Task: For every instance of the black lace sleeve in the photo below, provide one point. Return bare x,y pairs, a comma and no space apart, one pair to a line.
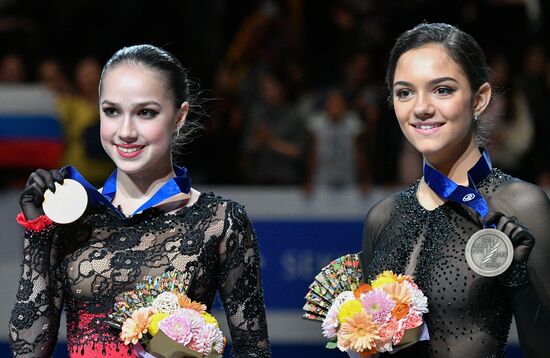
35,318
531,302
241,286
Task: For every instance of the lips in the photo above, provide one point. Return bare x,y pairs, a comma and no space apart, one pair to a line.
129,151
427,128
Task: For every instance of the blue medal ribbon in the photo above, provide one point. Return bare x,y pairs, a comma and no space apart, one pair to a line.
181,183
468,196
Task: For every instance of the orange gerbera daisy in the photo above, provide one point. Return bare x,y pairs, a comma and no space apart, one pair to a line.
135,326
399,292
359,332
400,311
364,288
185,302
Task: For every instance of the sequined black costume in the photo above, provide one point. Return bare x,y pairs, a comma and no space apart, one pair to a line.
470,315
86,264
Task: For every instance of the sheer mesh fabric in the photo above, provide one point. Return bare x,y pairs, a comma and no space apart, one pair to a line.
470,315
86,264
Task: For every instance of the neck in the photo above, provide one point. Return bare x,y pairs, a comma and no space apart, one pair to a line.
142,186
456,165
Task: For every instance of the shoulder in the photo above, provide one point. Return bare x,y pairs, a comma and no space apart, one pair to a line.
222,206
389,205
520,196
353,121
316,122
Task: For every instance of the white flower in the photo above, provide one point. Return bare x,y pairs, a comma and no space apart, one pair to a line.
419,302
166,302
330,323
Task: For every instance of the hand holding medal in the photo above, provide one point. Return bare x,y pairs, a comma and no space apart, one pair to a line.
47,192
522,239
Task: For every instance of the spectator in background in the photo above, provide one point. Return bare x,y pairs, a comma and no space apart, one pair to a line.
358,78
80,117
512,123
276,139
338,159
50,73
224,131
12,68
300,94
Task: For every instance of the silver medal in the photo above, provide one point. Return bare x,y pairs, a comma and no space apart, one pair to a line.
489,252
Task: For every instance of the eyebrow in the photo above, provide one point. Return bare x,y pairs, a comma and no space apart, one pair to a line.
435,81
139,104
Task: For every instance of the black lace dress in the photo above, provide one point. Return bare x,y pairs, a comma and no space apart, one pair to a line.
470,315
84,266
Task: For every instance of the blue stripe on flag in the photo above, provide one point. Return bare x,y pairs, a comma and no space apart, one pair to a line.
35,126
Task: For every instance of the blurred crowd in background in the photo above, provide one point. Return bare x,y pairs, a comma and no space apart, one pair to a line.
291,92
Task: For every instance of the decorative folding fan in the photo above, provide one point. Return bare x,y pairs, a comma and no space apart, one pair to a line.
342,274
145,292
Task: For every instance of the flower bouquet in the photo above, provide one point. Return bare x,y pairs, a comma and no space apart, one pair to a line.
365,319
160,321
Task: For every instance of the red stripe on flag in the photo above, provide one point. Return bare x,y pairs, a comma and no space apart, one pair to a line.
30,154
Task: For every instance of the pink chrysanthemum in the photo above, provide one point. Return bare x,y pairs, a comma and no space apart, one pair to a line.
177,327
209,339
377,304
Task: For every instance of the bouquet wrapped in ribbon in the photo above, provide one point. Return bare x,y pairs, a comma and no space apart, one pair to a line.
160,320
365,319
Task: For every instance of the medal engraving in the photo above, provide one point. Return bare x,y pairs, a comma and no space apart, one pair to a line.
67,204
489,252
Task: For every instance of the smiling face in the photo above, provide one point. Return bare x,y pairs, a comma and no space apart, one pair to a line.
138,119
434,103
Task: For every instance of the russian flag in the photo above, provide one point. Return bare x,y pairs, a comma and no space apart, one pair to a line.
31,135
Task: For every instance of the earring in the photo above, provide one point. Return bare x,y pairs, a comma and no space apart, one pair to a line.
177,133
476,117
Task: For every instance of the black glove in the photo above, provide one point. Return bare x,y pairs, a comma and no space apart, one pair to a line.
521,237
32,196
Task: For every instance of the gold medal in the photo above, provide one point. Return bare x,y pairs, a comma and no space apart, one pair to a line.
67,204
489,252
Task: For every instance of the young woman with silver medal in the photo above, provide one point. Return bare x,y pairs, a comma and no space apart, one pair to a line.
475,239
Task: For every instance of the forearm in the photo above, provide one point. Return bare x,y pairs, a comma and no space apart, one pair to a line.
247,322
532,320
241,288
35,318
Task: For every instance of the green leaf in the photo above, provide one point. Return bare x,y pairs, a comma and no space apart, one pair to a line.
331,345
